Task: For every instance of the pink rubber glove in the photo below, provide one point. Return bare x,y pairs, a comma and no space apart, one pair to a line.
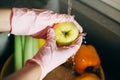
50,56
35,22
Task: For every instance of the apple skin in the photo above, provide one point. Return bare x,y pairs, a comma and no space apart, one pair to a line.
65,33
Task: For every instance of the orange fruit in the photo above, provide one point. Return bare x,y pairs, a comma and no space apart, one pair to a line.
86,57
87,76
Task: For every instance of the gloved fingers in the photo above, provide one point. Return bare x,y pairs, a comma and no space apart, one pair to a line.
62,18
51,41
78,41
41,34
76,44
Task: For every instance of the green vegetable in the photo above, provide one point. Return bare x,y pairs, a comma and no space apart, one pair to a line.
28,48
35,46
25,48
18,53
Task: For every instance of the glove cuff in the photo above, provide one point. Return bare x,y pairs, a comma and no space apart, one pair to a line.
17,25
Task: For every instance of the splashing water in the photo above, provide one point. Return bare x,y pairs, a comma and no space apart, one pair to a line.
84,34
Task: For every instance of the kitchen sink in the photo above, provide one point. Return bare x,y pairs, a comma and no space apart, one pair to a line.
102,32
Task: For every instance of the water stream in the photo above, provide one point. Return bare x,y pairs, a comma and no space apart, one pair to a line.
69,6
84,34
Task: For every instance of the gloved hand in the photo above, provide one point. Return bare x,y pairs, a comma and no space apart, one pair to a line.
50,56
35,22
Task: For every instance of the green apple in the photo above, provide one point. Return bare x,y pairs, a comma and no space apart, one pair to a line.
65,33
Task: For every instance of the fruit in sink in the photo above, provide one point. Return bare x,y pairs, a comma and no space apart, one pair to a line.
87,76
65,33
86,58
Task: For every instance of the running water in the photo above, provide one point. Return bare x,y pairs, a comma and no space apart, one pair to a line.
69,13
69,7
84,34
